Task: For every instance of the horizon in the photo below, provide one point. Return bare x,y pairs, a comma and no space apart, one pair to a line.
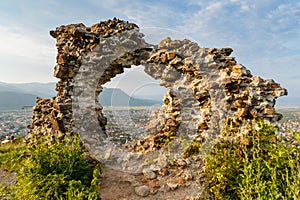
284,101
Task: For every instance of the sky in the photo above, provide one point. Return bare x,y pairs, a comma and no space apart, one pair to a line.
264,34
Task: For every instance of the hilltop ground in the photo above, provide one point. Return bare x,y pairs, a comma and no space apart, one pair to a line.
7,178
120,185
117,185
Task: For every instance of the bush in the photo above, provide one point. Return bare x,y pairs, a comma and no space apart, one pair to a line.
260,165
12,156
59,171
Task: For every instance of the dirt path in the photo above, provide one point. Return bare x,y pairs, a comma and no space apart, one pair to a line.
7,178
119,185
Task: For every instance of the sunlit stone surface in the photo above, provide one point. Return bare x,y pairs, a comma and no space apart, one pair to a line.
207,90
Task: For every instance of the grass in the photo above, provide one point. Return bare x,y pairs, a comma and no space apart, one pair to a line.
12,156
260,165
59,171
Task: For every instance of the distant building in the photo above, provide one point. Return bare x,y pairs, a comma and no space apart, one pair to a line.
27,107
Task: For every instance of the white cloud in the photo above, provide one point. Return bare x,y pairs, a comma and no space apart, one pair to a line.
285,18
265,35
214,6
135,82
245,7
25,45
265,25
25,56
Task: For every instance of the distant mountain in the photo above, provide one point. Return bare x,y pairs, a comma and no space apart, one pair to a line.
44,90
13,100
15,96
288,101
117,97
155,97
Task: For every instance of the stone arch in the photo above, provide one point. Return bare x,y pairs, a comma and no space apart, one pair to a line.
95,72
206,87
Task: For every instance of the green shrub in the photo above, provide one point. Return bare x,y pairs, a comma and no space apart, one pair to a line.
260,165
12,156
58,171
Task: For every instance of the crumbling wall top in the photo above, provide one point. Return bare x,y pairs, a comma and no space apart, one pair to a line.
206,87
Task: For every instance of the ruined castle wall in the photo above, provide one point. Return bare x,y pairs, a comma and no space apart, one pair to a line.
206,87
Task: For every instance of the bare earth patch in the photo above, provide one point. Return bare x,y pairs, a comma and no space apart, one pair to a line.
7,178
121,185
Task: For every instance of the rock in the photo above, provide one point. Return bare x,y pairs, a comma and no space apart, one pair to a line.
107,153
61,71
163,172
142,191
155,167
269,111
195,158
187,176
162,161
63,107
171,55
181,181
172,185
149,174
154,183
153,191
181,163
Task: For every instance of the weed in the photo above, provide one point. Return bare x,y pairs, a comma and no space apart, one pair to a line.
259,165
12,156
59,171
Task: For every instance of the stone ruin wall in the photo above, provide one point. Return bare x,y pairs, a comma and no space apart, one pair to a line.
206,87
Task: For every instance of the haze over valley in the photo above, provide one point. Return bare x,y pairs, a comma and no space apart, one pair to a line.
15,96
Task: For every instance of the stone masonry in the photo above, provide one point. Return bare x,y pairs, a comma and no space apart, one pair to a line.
207,91
205,86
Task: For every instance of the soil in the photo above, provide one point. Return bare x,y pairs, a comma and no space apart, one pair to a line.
118,185
7,178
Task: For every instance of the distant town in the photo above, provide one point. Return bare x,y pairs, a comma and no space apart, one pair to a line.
14,122
123,123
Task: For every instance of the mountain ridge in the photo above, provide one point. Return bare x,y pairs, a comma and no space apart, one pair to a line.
16,95
117,97
44,90
120,98
14,101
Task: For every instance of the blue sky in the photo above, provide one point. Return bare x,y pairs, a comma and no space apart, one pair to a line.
264,34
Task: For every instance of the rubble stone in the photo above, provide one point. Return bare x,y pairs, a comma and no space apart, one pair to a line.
142,191
172,185
149,174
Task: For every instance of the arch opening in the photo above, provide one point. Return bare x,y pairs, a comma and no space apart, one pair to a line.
129,101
